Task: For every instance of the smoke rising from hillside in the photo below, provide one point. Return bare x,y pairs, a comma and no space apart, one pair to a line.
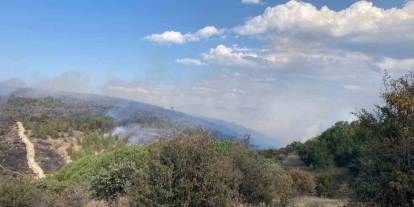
137,134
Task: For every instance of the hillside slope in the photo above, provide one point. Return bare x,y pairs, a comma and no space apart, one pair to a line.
126,111
66,126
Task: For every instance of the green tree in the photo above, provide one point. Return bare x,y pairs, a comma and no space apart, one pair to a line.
385,168
108,185
336,146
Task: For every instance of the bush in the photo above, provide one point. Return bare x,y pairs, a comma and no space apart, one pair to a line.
73,196
22,193
192,169
187,172
203,171
263,181
325,186
84,169
108,185
333,185
304,183
63,194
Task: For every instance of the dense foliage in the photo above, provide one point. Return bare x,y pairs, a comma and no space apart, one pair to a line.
24,192
95,143
198,170
193,169
84,169
337,146
43,126
378,149
385,168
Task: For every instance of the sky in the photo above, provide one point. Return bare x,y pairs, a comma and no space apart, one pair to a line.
287,69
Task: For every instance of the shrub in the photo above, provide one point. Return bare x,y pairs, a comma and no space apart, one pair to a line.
303,182
333,185
84,169
74,197
325,186
22,193
192,169
263,181
187,172
203,171
108,185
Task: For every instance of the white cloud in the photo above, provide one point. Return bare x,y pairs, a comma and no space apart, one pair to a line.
174,37
250,1
361,22
190,61
167,37
227,56
283,59
396,64
204,33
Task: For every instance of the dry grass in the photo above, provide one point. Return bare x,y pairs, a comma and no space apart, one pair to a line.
311,201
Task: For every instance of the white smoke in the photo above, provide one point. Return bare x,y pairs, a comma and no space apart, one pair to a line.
137,134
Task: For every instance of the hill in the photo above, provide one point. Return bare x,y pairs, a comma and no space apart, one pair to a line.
127,111
66,126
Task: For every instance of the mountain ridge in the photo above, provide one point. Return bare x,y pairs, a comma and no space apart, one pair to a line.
126,109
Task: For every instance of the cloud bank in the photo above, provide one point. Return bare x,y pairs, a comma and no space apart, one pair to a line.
312,67
361,22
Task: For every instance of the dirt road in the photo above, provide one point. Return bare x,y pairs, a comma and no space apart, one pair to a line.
30,150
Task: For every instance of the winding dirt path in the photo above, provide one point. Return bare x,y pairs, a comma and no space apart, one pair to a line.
30,150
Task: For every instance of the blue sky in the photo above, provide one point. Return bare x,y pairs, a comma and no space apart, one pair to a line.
288,69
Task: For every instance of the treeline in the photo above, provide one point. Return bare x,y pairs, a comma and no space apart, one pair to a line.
48,102
43,126
377,148
338,146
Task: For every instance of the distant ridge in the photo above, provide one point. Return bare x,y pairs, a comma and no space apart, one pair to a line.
125,109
